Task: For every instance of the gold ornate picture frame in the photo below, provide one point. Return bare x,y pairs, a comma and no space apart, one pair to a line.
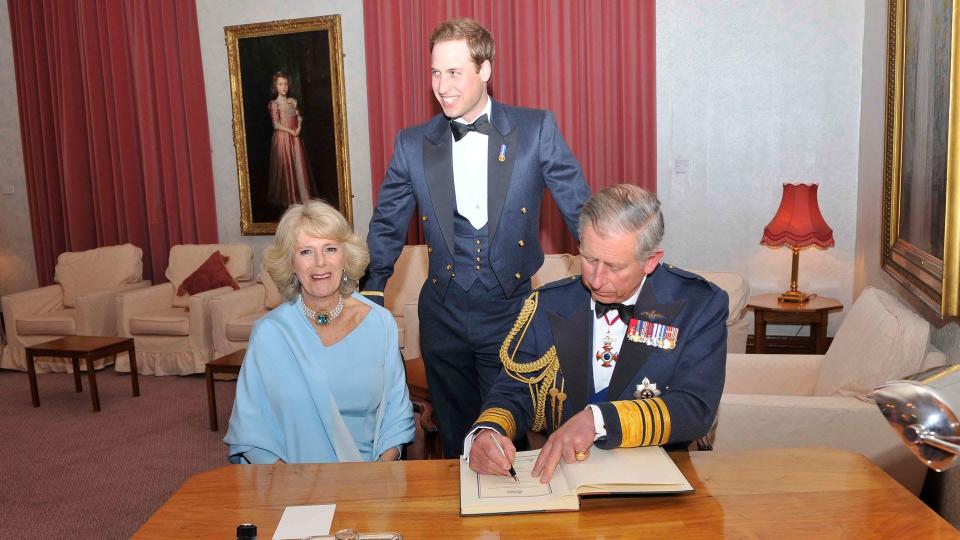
289,117
921,202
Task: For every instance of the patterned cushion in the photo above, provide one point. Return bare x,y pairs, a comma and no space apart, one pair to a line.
185,258
212,274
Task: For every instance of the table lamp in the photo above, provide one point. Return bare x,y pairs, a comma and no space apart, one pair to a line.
798,224
923,408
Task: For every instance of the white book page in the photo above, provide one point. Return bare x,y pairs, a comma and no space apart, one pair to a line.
479,490
643,466
491,486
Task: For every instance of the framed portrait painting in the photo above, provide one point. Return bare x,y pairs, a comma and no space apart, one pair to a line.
289,117
921,204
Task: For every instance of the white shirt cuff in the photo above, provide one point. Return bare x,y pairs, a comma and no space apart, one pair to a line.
598,424
468,441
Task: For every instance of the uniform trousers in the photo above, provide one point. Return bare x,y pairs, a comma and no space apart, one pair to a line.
460,338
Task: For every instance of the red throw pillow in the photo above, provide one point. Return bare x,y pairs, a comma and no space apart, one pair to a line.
211,274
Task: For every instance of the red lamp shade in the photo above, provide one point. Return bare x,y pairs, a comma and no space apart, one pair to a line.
798,222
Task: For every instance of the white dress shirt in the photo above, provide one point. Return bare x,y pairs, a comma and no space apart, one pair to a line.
470,173
602,375
601,328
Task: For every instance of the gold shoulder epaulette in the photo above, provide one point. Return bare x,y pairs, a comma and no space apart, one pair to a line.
547,365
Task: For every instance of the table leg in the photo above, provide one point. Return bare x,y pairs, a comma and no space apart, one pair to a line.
32,375
759,332
133,370
212,401
76,374
94,395
819,333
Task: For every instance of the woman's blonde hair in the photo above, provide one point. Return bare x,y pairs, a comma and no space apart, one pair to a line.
320,220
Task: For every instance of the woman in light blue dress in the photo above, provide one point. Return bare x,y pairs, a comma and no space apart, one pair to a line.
322,380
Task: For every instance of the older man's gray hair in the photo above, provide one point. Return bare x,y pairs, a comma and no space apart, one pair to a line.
625,208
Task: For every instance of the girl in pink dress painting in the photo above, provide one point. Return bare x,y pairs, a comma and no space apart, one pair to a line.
290,180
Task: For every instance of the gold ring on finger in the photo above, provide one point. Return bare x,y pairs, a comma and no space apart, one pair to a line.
581,455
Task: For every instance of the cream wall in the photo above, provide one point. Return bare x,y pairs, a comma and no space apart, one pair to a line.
867,270
212,17
18,269
752,94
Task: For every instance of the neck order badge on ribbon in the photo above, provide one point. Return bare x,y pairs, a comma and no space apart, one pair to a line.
605,355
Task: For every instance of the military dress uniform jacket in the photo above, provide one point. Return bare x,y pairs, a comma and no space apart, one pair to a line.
554,333
534,155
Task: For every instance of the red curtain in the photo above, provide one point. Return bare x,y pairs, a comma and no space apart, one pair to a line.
113,121
591,62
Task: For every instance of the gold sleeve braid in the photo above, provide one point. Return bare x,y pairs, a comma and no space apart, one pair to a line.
502,418
542,384
643,422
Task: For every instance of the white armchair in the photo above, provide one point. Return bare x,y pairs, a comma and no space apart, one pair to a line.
232,314
81,302
774,400
172,332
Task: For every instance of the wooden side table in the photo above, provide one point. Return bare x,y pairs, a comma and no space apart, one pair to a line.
229,363
767,309
76,348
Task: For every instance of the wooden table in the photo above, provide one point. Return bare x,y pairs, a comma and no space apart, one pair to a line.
771,493
767,309
76,348
229,363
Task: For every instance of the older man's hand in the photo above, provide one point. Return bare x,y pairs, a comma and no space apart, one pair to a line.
485,456
575,435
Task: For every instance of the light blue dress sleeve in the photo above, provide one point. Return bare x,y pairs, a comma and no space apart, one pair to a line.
253,436
396,428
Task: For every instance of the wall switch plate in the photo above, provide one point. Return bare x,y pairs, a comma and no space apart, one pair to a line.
681,166
7,189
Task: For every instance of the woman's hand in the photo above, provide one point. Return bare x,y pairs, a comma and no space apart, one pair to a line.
392,454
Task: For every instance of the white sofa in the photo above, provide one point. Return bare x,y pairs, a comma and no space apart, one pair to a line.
780,400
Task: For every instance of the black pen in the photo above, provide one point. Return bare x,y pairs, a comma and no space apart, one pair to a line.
513,473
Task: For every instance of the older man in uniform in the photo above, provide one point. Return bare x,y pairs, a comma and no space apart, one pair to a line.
631,354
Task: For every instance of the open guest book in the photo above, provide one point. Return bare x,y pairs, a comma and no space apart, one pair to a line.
640,470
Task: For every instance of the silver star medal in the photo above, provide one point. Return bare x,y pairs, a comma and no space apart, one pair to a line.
646,390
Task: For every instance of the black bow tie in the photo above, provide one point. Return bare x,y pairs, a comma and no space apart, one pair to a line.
460,130
625,311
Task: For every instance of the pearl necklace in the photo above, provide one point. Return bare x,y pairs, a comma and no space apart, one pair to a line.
321,318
